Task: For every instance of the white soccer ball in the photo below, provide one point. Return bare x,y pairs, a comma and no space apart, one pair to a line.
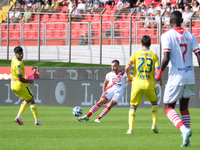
77,111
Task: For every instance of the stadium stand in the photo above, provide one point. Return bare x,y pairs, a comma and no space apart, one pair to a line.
55,27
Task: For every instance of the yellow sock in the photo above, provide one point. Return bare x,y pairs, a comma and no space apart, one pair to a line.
23,107
132,113
34,110
154,112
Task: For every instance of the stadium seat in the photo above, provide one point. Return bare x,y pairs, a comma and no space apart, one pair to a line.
50,26
54,18
96,18
49,34
32,34
11,27
151,32
25,35
15,35
60,27
76,26
62,18
74,34
45,18
17,27
57,34
27,27
142,32
3,27
4,35
64,8
36,18
95,25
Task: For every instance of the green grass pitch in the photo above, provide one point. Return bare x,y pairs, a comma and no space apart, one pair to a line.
61,131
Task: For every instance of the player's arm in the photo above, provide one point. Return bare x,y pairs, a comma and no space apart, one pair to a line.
21,79
127,70
198,57
160,81
105,84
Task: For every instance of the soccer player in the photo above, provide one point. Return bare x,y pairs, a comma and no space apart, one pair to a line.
145,64
113,88
178,45
20,87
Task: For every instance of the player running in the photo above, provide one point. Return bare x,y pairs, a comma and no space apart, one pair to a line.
113,88
20,87
178,45
145,63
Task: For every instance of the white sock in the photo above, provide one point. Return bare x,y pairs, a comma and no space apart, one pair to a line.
19,116
37,120
183,128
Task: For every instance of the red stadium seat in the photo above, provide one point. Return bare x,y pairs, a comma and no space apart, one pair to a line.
17,27
27,27
62,18
16,35
36,18
45,18
49,34
11,27
32,34
50,26
57,34
60,27
54,18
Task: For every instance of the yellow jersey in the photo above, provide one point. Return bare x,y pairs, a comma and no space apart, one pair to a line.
17,68
145,62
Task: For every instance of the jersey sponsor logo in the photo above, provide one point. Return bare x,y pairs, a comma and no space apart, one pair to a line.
186,69
144,77
116,80
146,54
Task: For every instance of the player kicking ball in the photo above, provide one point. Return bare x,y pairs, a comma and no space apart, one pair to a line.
20,87
113,88
145,64
178,46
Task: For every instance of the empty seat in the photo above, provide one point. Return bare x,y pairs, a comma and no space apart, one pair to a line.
45,18
32,34
49,34
15,35
62,18
17,27
60,26
54,18
27,27
50,26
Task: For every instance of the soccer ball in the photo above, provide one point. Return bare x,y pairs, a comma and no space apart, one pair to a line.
77,111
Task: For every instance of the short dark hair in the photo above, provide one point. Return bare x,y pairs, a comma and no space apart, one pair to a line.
176,17
34,67
117,61
146,41
18,49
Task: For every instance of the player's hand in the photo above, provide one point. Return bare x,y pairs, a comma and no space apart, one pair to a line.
31,81
158,75
129,80
160,82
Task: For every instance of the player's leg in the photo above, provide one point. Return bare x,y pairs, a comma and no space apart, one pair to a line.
172,94
22,109
151,96
19,92
34,110
106,110
136,98
94,108
184,102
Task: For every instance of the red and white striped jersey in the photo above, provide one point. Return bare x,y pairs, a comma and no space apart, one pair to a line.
180,43
116,80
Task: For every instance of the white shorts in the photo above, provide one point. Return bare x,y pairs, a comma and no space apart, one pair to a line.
175,92
113,94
